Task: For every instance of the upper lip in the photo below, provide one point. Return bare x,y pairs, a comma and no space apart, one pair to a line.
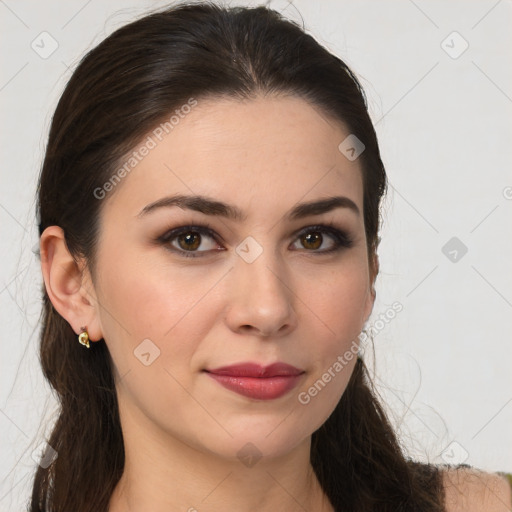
257,370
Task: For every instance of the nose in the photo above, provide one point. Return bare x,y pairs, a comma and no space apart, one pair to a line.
261,299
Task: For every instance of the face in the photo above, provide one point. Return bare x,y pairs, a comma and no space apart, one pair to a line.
182,292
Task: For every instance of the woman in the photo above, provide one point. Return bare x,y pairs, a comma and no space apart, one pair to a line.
209,217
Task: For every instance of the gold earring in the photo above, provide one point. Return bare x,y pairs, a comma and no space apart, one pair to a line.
83,337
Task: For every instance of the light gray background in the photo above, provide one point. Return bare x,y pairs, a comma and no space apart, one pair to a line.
444,123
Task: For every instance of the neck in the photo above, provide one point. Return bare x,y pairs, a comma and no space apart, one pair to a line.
163,474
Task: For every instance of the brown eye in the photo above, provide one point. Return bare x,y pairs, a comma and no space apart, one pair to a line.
189,241
312,240
313,237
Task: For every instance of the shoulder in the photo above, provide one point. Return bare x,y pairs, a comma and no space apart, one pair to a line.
471,490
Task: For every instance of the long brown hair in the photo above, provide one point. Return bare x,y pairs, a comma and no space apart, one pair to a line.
120,91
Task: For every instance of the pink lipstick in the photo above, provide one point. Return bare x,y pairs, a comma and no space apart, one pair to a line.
255,381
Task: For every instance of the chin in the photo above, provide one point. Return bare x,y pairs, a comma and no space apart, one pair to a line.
256,439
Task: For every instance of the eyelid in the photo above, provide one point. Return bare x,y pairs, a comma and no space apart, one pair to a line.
342,237
202,229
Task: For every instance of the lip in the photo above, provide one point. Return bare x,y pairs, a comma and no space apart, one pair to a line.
258,382
256,370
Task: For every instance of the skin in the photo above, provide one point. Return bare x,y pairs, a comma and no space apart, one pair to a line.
181,429
472,490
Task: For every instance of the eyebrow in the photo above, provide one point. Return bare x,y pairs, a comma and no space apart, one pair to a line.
209,206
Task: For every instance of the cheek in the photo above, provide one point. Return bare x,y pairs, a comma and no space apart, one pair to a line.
338,299
336,311
145,302
142,300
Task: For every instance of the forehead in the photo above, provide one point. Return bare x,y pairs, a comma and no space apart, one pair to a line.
264,154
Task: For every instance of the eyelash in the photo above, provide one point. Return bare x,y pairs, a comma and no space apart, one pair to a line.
341,238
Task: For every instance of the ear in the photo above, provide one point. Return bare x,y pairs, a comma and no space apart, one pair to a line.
66,284
370,298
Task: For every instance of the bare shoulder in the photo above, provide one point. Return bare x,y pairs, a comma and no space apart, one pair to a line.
473,490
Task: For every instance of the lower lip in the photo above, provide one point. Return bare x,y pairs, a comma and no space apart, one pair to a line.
267,388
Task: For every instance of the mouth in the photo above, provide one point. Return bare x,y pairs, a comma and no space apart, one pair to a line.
258,382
